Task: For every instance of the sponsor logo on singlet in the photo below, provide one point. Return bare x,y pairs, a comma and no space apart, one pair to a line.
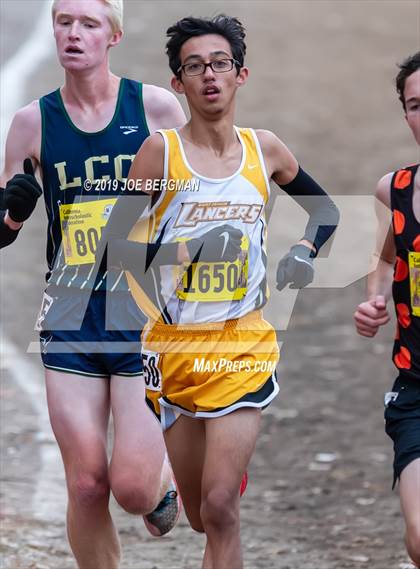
129,129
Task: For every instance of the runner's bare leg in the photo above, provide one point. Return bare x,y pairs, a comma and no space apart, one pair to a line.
139,473
230,442
79,412
410,504
187,462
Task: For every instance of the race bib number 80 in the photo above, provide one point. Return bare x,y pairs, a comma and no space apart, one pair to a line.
81,227
414,267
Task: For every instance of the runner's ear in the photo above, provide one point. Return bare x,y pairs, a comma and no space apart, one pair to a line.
28,167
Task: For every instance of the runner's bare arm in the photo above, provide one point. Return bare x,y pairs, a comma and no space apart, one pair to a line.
147,167
162,108
380,280
148,163
373,313
23,141
280,163
283,168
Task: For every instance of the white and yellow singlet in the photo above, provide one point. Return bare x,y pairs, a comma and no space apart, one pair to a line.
207,350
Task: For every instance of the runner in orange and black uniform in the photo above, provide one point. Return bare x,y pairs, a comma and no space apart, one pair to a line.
406,229
398,272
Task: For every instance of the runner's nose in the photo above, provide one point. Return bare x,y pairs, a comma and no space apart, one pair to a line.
209,73
74,31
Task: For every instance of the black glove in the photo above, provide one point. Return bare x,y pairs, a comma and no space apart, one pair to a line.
295,267
219,244
21,193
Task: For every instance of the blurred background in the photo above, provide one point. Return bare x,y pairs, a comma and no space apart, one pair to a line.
321,77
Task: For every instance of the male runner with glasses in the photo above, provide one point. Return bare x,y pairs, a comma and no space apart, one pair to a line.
398,275
83,138
209,354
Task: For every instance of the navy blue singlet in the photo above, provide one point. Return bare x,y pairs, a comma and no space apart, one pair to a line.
70,156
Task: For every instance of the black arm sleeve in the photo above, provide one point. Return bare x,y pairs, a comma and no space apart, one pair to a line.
323,213
7,235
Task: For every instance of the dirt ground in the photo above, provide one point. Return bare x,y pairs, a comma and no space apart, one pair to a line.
320,481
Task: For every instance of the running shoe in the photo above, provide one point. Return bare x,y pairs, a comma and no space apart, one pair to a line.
166,514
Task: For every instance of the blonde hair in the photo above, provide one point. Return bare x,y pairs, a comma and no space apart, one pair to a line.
115,13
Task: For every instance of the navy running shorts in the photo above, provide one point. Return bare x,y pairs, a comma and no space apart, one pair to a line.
402,422
96,336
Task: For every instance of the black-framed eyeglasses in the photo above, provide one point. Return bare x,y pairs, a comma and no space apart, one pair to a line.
218,66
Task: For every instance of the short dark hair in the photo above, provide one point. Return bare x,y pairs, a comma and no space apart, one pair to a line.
407,68
228,27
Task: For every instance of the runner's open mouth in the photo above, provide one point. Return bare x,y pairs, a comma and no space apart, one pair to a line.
73,50
211,90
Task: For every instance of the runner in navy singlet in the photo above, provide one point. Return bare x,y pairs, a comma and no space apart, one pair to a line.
82,138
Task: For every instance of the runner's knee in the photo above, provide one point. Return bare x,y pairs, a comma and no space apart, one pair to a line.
88,489
134,495
219,509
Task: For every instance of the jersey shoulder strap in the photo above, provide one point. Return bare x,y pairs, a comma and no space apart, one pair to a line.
254,166
175,163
